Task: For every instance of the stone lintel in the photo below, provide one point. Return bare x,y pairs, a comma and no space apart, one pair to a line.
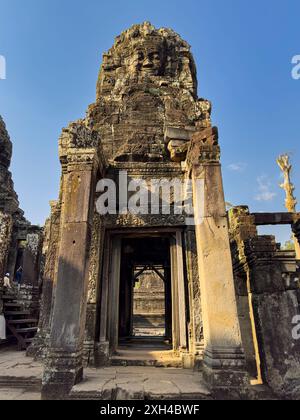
183,134
177,140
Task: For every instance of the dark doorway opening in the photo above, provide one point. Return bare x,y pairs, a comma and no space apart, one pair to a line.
145,314
149,302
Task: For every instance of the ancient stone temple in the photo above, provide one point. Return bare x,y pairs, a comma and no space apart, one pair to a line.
148,130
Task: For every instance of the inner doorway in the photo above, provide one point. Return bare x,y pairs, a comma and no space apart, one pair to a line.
149,302
145,304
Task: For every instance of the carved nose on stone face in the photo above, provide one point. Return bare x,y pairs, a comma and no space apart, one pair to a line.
147,63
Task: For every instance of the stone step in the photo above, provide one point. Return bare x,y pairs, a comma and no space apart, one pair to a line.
151,343
21,382
8,297
171,363
22,321
26,330
140,384
12,305
19,313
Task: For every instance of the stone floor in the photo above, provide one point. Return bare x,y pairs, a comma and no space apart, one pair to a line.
18,394
18,369
20,379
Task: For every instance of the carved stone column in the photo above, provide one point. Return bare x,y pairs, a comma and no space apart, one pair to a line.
95,265
196,323
38,349
79,153
224,360
6,224
178,295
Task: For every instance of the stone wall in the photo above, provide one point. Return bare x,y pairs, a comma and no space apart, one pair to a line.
267,286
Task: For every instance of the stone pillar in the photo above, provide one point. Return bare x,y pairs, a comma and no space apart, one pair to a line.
6,224
224,360
102,344
181,294
38,349
196,324
79,153
179,324
114,295
95,265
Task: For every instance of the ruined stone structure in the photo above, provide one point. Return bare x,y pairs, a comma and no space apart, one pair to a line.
20,242
267,282
221,302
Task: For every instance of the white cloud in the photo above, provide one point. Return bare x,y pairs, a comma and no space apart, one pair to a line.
237,167
264,189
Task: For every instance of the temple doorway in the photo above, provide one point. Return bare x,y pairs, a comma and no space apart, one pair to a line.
144,294
149,302
145,291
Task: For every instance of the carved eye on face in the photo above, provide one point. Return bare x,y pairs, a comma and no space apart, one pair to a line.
140,56
156,56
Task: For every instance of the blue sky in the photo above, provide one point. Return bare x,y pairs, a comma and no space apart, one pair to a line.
243,51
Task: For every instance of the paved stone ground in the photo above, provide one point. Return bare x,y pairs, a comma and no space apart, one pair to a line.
16,368
20,379
18,394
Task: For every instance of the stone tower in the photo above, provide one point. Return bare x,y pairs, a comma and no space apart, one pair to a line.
147,122
147,83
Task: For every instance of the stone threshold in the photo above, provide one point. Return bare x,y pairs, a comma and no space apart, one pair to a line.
140,383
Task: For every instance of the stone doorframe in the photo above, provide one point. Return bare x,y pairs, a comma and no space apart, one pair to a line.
110,289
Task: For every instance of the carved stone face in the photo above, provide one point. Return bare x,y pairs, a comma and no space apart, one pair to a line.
147,59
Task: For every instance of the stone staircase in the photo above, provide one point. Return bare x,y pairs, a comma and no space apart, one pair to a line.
147,352
21,325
